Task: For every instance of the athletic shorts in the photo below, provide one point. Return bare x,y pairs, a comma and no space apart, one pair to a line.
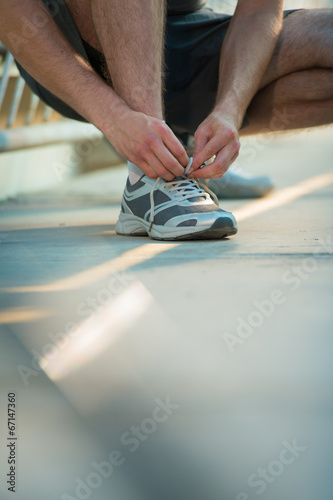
192,54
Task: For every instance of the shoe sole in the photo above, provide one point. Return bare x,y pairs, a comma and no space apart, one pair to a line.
130,225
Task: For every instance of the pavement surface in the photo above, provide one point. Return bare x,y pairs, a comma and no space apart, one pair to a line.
150,370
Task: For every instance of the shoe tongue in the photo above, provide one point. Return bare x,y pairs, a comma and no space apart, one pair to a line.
190,188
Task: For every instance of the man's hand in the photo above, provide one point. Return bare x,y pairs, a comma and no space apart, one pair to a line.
148,143
215,136
246,52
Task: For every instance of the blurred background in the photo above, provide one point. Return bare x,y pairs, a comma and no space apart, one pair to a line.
228,6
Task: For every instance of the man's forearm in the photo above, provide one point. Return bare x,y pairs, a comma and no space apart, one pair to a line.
246,52
50,59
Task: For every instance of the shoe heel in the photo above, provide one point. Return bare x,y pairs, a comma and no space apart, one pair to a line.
129,224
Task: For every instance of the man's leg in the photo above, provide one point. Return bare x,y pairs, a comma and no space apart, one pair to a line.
297,89
130,34
300,100
131,37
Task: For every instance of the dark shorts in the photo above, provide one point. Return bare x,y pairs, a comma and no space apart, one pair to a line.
192,53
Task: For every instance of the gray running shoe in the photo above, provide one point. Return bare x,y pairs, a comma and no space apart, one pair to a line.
238,184
181,209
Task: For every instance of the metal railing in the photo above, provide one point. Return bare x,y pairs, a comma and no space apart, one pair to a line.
51,129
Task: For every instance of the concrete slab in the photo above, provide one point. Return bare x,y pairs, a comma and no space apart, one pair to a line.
237,333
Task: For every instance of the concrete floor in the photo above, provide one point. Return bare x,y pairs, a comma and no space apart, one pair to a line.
237,333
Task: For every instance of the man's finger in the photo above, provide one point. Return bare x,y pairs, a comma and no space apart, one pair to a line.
174,146
211,148
159,168
200,140
168,160
220,165
145,167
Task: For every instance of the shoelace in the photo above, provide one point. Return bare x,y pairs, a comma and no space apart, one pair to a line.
184,188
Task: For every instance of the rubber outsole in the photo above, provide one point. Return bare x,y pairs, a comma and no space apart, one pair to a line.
217,231
222,228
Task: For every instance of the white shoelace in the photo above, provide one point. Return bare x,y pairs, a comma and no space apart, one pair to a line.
184,188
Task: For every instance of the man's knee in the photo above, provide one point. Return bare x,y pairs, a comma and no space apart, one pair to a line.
307,38
306,42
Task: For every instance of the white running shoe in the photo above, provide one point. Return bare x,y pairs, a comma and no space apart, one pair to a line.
181,209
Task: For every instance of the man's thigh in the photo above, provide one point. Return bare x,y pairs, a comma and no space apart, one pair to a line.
193,51
306,42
